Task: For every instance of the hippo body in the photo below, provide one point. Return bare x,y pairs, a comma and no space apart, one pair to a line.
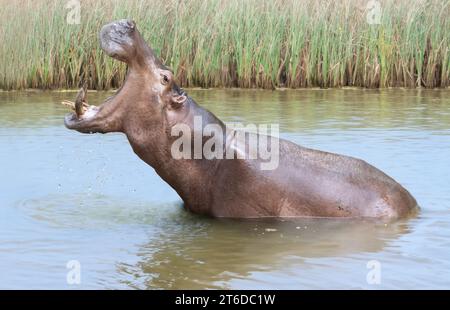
310,183
306,182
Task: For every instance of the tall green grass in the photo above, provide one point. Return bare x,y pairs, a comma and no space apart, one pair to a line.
232,43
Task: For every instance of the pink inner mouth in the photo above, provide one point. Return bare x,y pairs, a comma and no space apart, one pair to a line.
89,113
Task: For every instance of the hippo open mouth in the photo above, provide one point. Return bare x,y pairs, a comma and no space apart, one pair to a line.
122,41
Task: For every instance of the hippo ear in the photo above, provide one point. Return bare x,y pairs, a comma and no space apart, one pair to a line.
177,101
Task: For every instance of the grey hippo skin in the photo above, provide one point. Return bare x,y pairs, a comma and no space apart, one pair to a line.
307,183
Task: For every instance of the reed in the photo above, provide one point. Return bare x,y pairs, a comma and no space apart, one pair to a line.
233,43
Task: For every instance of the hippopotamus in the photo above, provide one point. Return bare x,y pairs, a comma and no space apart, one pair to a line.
305,183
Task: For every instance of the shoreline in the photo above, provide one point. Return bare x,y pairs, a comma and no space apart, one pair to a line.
280,89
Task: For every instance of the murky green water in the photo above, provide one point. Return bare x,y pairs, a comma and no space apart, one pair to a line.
66,196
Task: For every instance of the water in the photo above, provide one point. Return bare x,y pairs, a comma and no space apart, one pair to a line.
65,196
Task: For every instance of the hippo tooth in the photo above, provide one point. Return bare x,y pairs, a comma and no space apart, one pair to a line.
80,101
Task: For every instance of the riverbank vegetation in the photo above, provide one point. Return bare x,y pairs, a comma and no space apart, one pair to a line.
233,43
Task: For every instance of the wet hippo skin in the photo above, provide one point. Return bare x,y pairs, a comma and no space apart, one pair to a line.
306,182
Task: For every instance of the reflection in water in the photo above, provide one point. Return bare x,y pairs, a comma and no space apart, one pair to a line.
187,254
67,196
92,210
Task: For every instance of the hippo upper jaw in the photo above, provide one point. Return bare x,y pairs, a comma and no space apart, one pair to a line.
117,39
121,40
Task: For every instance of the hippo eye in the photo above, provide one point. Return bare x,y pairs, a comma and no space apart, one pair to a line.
165,79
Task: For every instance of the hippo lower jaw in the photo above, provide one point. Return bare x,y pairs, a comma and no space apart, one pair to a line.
95,119
81,123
